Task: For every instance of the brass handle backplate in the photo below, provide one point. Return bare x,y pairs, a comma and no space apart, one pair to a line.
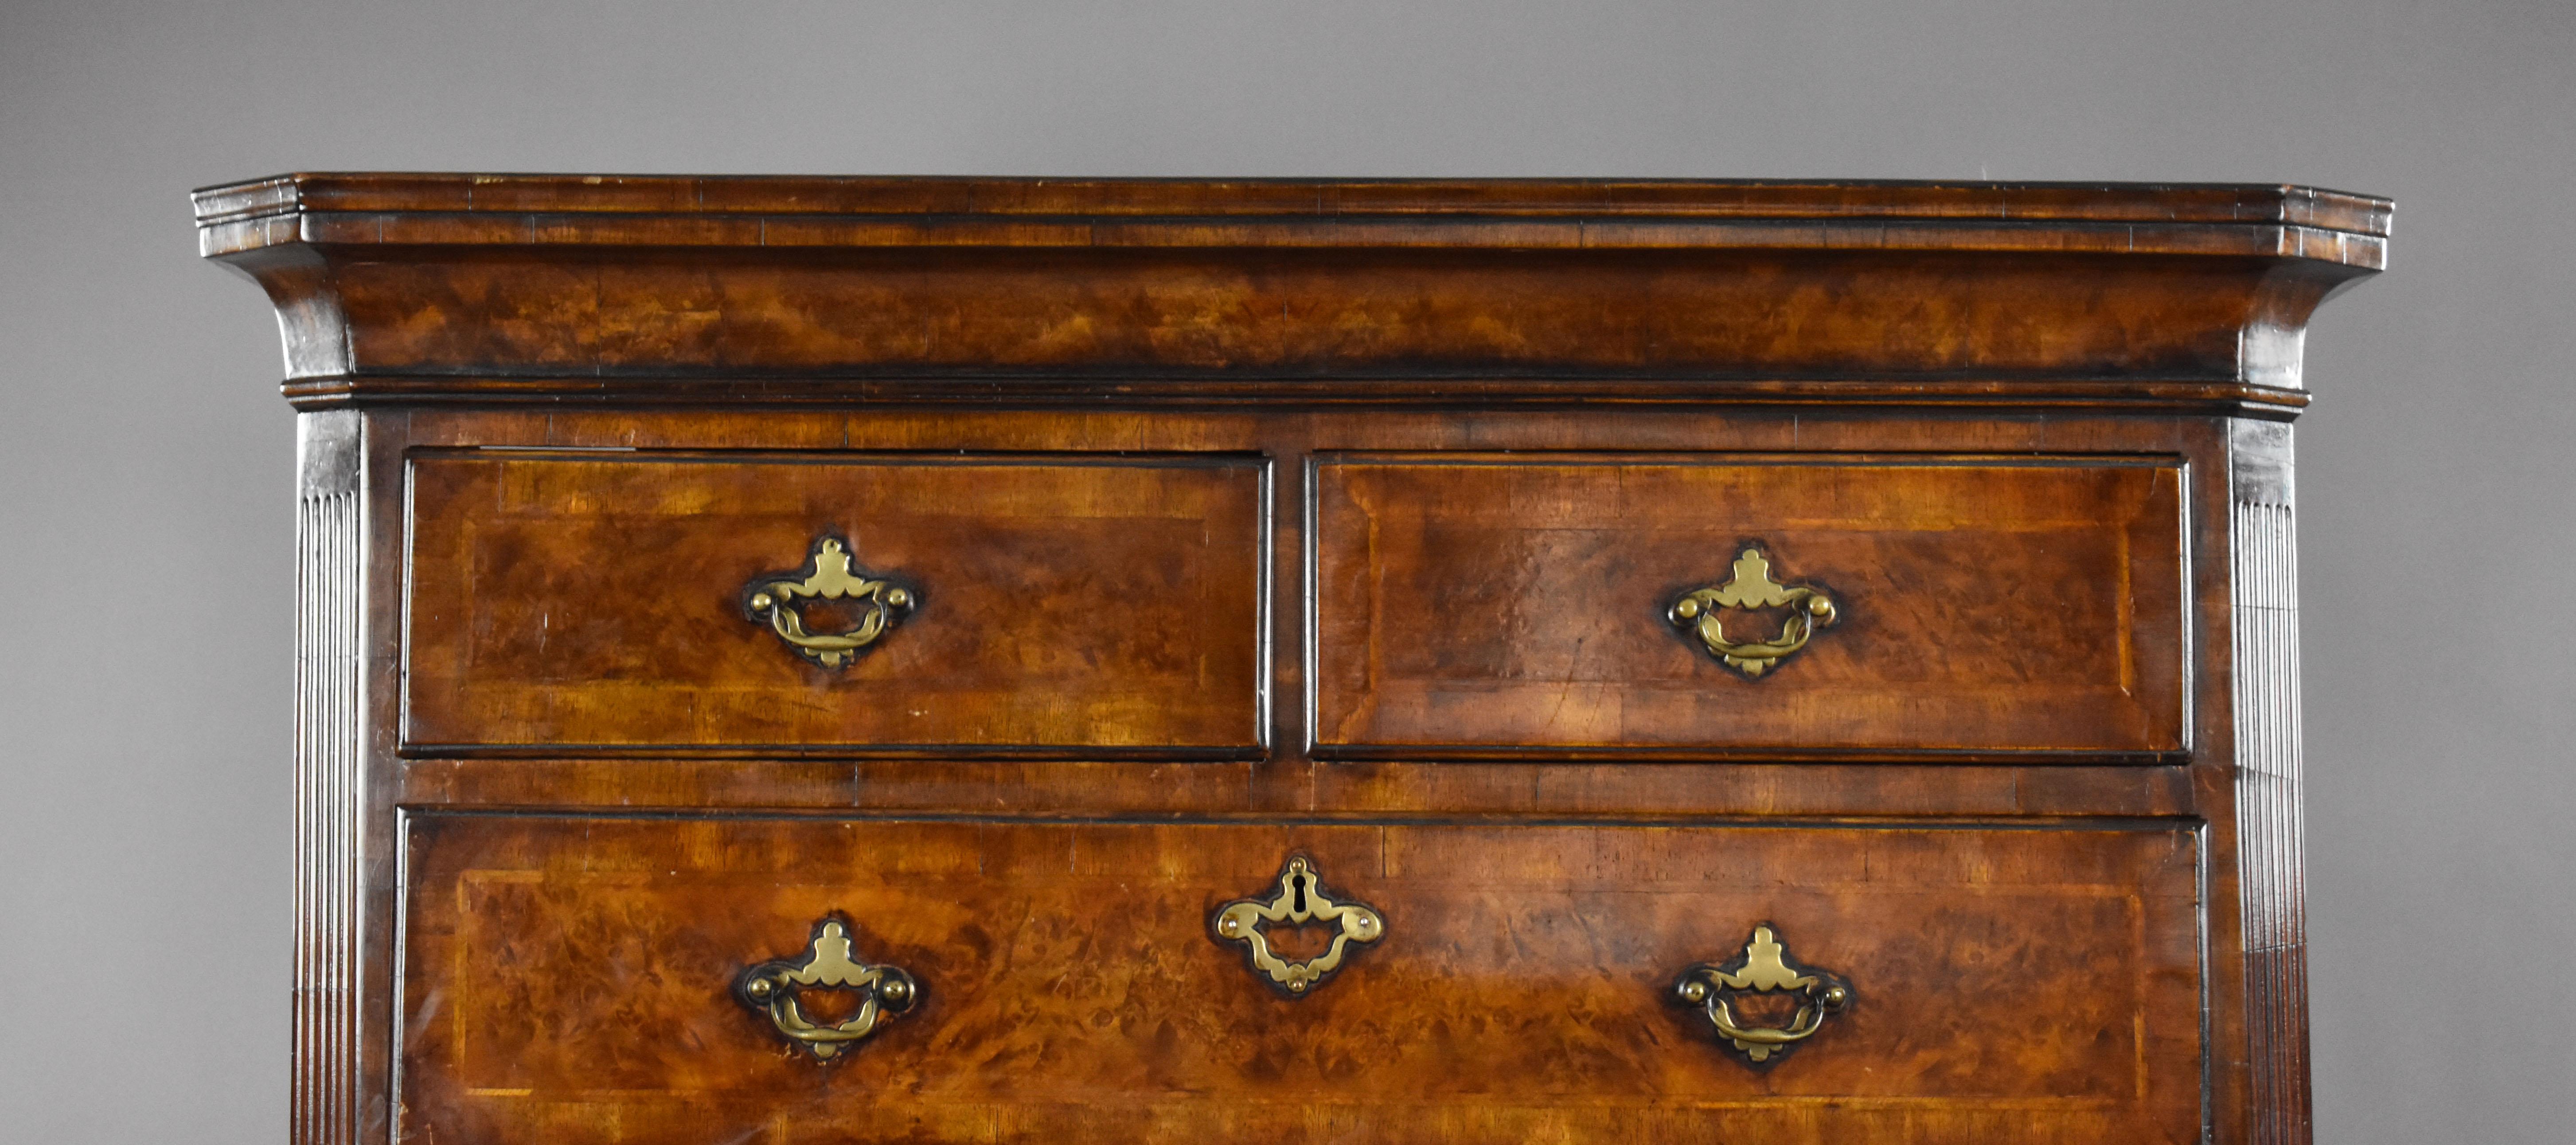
1301,899
772,987
1750,586
1764,967
827,575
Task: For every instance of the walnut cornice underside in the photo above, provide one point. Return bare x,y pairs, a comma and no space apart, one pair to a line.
434,287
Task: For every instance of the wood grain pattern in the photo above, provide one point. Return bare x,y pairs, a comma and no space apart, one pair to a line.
1649,314
1991,606
503,287
566,981
1680,791
554,789
1068,604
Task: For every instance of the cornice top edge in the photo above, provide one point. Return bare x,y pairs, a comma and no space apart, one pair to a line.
1320,202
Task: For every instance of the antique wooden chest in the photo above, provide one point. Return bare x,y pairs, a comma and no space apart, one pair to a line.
801,660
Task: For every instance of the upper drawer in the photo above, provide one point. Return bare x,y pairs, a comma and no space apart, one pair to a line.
1896,607
1053,604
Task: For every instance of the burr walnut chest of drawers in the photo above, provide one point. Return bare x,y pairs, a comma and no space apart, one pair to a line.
799,660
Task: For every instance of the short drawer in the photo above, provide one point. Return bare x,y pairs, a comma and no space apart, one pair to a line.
1047,604
1749,606
592,980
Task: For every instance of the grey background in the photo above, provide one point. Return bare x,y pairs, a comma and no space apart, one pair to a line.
144,454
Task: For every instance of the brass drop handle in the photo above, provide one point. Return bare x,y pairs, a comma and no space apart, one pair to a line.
827,576
1749,585
771,988
1764,967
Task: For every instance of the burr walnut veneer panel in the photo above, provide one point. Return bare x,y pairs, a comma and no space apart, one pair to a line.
567,981
1066,604
1988,605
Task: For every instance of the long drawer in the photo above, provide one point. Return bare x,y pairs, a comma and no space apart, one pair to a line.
1749,606
1039,604
573,980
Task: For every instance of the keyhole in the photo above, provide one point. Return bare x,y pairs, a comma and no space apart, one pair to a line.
1301,881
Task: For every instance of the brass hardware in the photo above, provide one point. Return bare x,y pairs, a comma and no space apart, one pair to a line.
1764,967
827,576
1301,899
771,988
1751,586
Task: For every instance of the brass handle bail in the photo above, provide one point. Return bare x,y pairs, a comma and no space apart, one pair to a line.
771,988
827,576
1749,585
1764,967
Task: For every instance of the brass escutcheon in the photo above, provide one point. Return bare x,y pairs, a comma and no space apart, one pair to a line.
1301,899
771,987
1764,967
772,599
1750,586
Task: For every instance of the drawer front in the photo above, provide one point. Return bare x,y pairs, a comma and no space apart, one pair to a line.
1057,604
1917,607
572,981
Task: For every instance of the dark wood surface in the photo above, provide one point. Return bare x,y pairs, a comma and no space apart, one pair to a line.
754,291
565,976
1066,603
1530,412
1987,606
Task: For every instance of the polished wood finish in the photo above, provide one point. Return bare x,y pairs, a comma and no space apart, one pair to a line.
1068,604
1267,517
434,287
1481,603
568,975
